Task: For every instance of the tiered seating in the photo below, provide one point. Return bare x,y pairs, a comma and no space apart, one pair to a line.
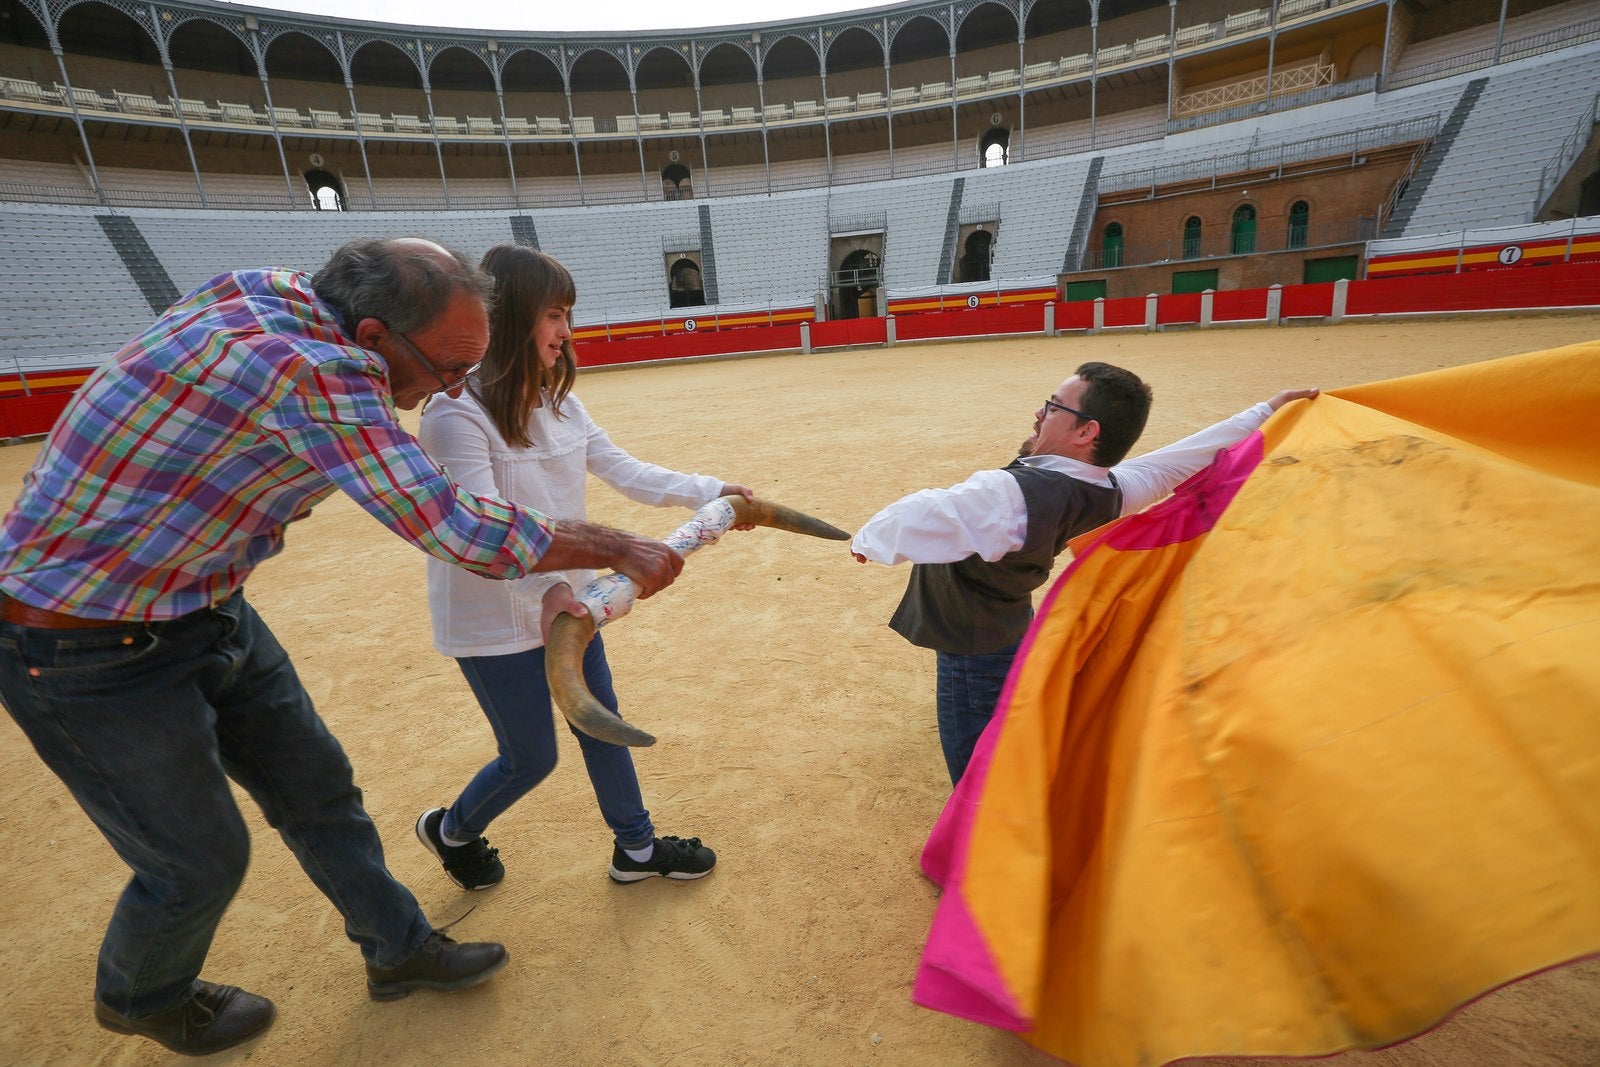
747,229
917,210
615,255
72,303
1038,204
1491,176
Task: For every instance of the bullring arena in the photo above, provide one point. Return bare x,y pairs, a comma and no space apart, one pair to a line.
1230,197
796,736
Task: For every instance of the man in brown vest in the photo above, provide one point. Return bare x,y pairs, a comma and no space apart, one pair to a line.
979,549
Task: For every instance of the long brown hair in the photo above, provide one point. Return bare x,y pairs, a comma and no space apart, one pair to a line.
512,380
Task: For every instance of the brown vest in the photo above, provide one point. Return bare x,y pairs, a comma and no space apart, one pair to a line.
972,606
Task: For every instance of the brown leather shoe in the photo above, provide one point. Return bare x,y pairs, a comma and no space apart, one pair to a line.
215,1018
439,964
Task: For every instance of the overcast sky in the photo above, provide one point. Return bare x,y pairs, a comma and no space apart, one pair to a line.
565,17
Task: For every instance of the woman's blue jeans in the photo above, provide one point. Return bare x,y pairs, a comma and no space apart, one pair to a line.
516,699
968,688
145,723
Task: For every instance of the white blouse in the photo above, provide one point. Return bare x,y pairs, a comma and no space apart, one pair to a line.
475,616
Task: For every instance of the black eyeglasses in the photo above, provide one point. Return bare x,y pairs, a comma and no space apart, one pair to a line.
445,386
1051,402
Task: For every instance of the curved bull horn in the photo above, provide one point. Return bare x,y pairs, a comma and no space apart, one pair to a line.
611,597
563,672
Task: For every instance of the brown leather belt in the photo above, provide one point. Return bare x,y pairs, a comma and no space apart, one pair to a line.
16,611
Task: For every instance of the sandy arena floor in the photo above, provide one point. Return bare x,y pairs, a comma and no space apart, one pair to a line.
796,737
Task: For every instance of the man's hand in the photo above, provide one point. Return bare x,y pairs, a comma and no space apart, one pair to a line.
1291,394
559,598
651,564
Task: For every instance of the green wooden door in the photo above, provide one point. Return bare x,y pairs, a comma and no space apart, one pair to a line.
1193,281
1331,269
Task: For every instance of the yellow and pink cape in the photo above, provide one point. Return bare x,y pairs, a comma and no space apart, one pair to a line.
1307,755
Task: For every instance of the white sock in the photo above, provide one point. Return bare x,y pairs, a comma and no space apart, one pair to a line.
639,855
451,842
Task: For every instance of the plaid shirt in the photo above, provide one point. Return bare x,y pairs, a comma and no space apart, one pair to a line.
176,466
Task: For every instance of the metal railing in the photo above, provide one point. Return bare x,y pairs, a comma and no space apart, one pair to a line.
1223,242
1392,201
1521,48
1551,173
1036,144
861,222
1275,103
1272,157
1249,90
971,213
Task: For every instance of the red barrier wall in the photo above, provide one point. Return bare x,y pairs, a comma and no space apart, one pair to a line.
24,416
1552,286
1238,305
975,322
1306,301
1177,308
849,332
1563,285
682,345
1125,311
1075,315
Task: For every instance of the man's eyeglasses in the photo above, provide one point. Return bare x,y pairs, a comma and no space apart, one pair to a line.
1051,402
445,385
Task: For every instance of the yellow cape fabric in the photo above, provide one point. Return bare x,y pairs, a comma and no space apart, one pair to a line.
1316,778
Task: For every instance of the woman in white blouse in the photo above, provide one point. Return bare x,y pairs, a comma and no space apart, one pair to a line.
517,432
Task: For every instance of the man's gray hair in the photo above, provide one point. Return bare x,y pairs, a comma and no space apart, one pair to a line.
402,283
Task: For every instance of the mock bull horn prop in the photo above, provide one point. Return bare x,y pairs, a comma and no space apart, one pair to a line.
611,597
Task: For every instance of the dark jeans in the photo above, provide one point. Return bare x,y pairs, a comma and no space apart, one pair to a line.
145,723
516,699
968,690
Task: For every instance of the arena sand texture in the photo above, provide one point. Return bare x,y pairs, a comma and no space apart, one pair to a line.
796,737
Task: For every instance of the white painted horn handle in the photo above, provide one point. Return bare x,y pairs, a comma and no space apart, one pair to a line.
611,596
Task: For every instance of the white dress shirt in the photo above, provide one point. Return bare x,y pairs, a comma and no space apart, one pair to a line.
986,514
476,617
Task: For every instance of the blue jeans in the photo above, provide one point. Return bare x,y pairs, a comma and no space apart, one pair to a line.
145,723
968,688
516,699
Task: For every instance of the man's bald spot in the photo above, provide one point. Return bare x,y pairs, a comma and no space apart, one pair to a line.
422,245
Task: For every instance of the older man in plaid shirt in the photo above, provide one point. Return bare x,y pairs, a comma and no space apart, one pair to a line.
131,660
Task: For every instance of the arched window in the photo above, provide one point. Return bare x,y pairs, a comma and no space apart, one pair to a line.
675,184
326,193
1191,237
1244,230
994,148
1111,245
1299,223
685,287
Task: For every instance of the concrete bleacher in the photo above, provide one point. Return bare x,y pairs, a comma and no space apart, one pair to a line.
615,255
748,228
1038,205
71,302
917,211
1490,176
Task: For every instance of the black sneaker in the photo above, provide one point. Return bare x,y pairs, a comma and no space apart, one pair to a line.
473,866
439,964
674,857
